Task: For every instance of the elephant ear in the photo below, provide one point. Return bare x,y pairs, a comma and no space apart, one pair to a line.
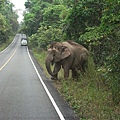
65,52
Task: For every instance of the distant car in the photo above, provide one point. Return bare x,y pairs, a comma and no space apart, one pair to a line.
24,42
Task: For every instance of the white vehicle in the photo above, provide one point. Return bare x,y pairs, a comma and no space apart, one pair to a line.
24,42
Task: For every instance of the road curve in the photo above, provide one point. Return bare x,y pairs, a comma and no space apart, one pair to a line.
25,92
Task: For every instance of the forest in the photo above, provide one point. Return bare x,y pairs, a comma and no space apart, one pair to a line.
94,24
8,20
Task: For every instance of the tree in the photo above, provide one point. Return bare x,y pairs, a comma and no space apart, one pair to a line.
4,28
83,14
8,20
52,15
94,23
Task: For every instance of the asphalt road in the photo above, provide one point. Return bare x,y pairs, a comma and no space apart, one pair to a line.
25,92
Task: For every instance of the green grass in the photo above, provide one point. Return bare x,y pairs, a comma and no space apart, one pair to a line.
4,45
89,96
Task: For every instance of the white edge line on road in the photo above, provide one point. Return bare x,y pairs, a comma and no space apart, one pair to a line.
46,89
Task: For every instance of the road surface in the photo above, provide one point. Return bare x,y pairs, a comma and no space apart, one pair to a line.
25,92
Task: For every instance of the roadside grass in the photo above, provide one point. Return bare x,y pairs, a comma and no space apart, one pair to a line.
40,57
7,43
89,96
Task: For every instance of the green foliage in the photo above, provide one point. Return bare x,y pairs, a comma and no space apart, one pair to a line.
8,20
87,101
29,22
106,37
44,22
4,28
92,23
89,96
84,14
52,15
34,17
3,45
44,36
10,15
27,4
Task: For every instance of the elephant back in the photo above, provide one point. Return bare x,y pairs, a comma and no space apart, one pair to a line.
80,54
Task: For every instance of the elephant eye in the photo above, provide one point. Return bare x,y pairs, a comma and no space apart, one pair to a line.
59,49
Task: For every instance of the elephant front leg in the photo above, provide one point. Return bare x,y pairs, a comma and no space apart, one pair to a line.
66,73
57,68
54,77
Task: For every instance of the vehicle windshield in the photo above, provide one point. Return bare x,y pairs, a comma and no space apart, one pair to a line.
23,39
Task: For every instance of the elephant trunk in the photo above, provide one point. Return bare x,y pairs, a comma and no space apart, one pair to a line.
47,63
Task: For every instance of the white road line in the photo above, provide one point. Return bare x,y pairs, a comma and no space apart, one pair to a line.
8,60
46,89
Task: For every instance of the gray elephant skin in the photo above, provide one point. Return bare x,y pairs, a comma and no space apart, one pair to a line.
69,55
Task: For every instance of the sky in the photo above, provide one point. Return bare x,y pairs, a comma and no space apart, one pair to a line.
19,6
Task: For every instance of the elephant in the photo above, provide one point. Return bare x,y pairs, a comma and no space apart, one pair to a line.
69,55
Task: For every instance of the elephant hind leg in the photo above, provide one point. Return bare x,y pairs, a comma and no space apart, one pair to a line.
83,67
